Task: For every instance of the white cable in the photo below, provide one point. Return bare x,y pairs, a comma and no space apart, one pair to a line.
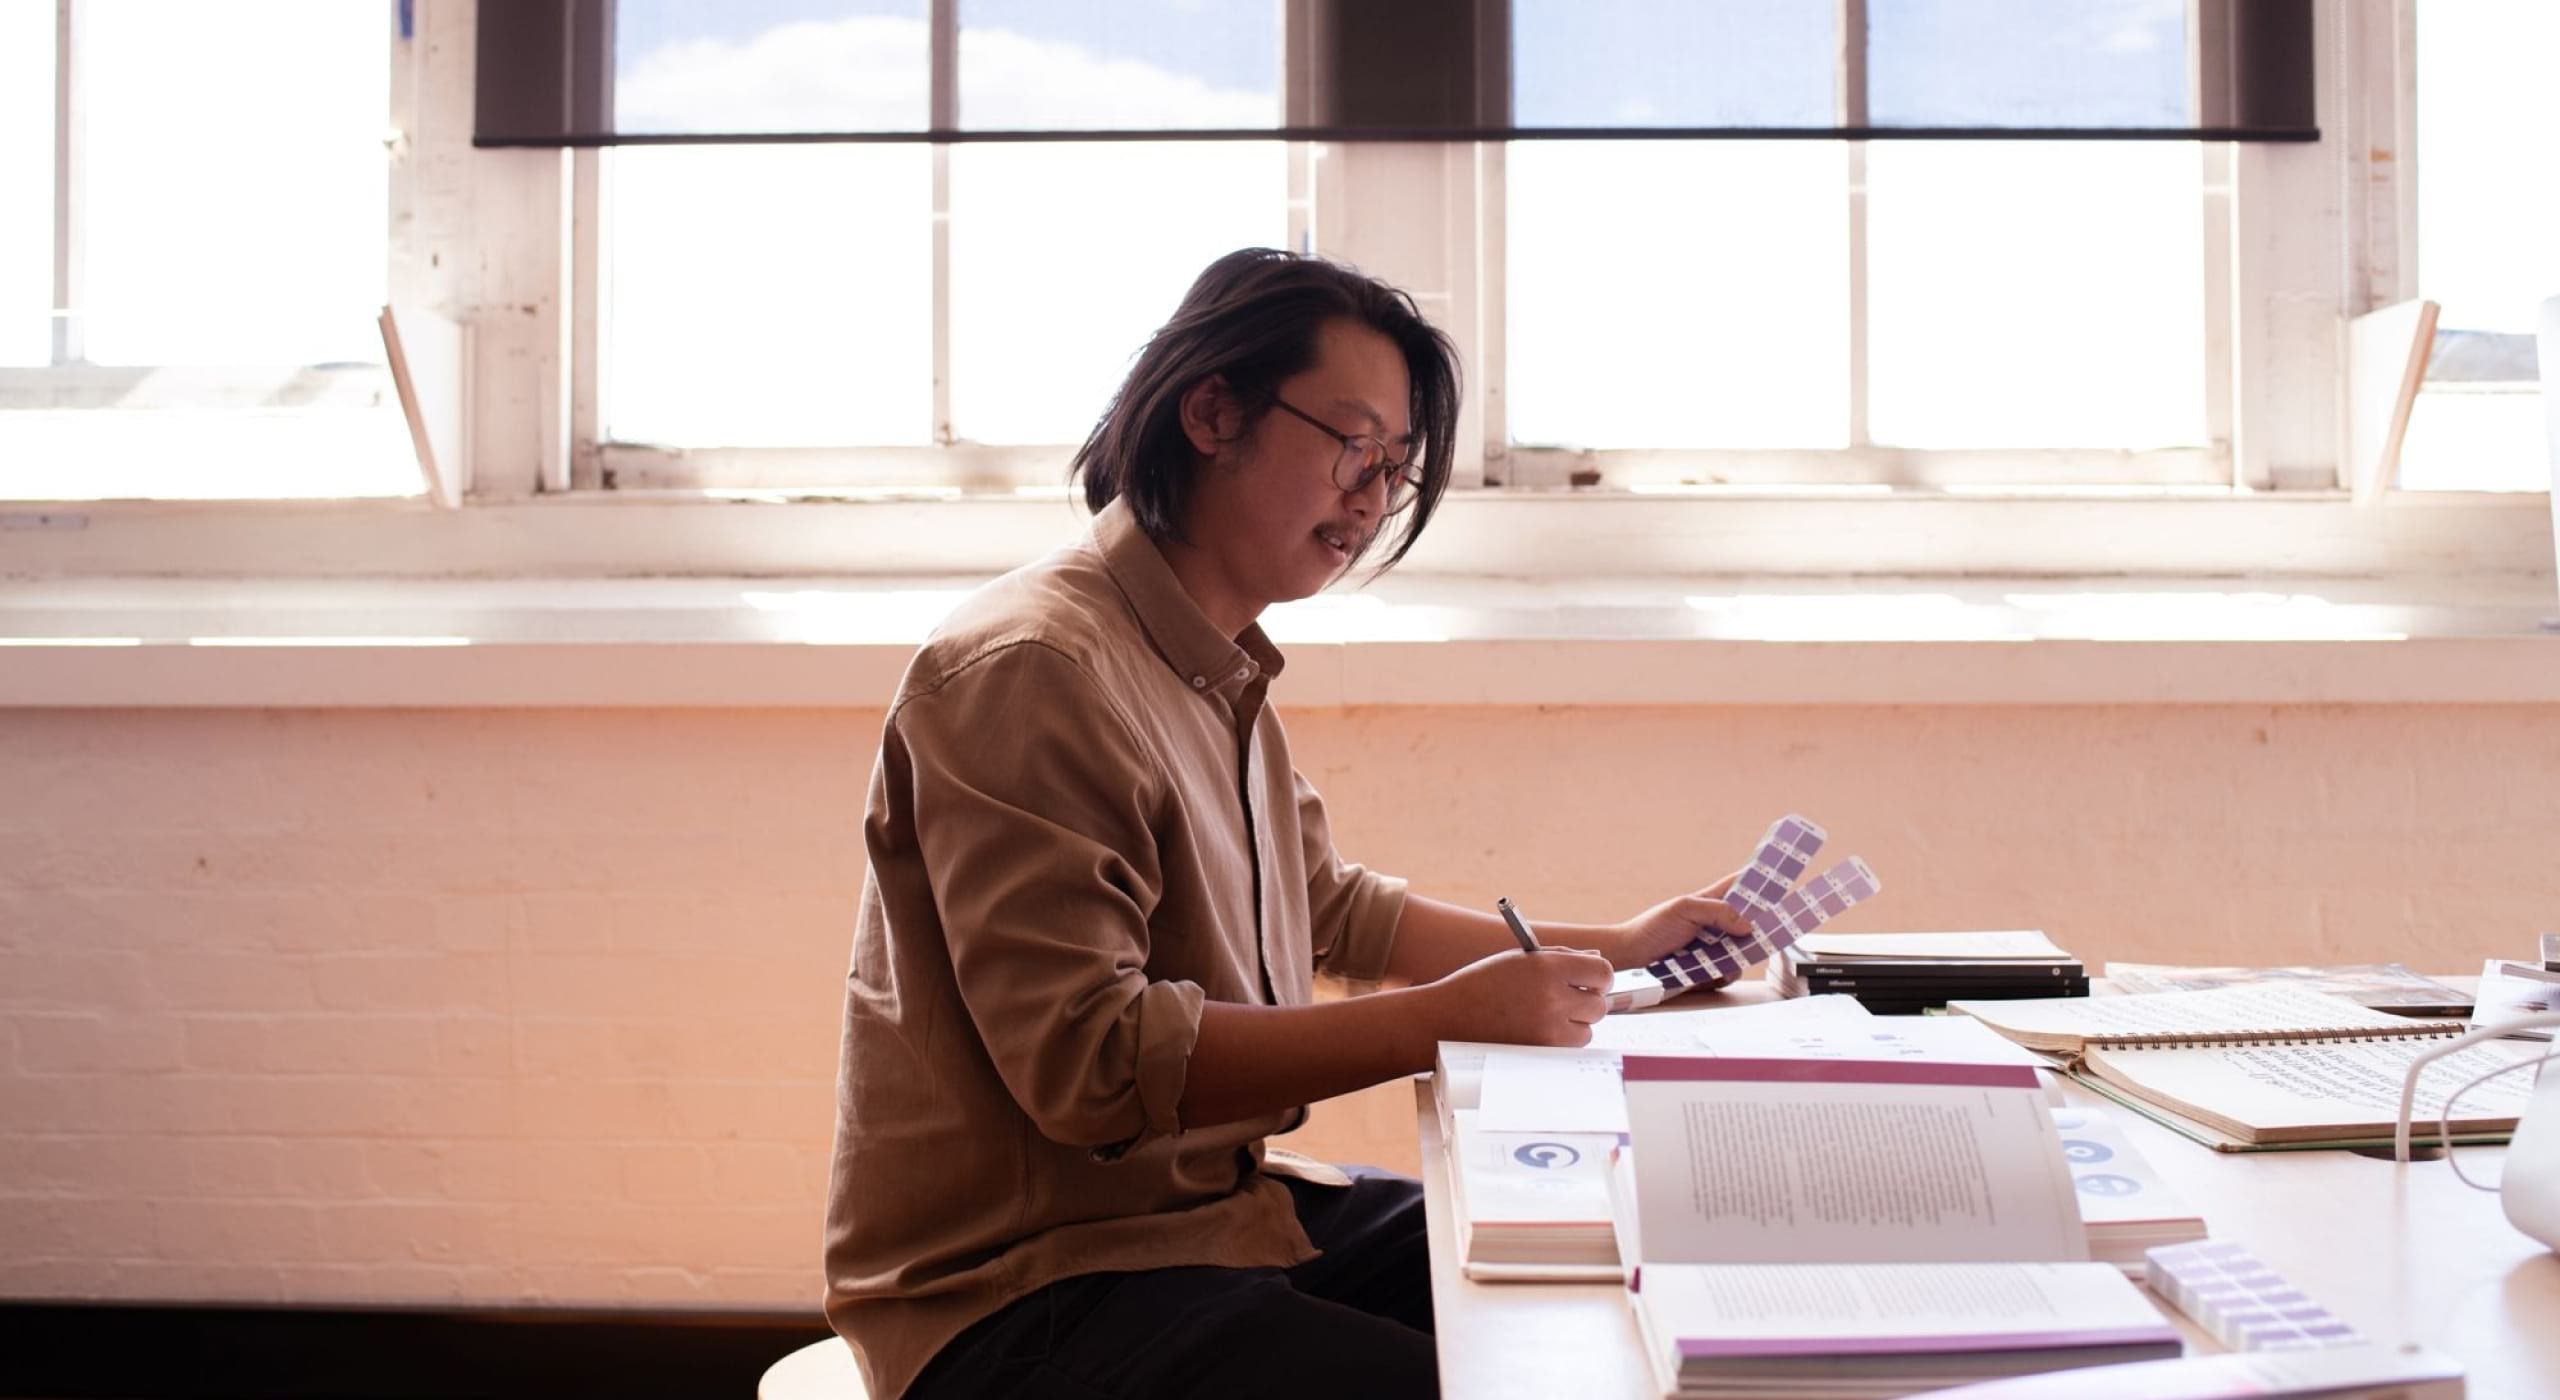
2444,1120
2409,1079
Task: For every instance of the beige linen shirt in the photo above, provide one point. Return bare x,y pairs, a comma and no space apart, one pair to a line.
1083,823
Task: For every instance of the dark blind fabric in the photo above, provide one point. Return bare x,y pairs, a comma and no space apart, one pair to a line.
603,72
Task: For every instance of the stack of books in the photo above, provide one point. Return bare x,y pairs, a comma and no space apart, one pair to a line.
1532,1205
1907,973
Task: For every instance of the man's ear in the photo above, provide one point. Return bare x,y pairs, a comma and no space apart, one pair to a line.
1211,416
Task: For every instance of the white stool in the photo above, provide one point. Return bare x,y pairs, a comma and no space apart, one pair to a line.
819,1371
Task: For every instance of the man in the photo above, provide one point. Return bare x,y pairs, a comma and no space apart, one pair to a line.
1081,987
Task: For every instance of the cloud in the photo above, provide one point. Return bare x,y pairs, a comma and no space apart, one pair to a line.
869,74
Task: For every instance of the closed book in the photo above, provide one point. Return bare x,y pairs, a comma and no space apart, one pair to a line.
1934,969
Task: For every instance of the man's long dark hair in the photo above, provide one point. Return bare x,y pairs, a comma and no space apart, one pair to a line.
1252,319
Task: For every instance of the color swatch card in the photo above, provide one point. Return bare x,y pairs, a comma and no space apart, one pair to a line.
2247,1306
1767,896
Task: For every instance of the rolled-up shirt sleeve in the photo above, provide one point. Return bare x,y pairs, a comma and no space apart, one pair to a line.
1031,807
1353,909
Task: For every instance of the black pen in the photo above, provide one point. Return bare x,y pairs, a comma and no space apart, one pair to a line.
1519,930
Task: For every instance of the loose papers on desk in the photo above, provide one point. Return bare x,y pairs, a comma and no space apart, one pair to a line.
1525,1089
1461,1062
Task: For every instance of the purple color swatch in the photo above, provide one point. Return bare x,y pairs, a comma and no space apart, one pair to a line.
2247,1306
1765,894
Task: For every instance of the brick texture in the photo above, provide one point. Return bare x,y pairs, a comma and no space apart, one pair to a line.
541,1006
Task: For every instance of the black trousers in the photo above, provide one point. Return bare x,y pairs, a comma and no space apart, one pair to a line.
1353,1322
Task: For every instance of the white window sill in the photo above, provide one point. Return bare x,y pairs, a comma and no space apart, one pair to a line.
1426,640
1509,534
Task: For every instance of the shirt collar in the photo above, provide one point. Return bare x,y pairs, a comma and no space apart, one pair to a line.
1206,658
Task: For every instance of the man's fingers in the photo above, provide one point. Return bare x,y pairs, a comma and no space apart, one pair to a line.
1719,917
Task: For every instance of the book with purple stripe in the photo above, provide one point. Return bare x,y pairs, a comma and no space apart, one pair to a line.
1887,1329
2372,1371
2247,1306
1767,896
1858,1227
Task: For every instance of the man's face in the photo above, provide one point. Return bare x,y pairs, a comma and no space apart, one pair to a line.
1270,518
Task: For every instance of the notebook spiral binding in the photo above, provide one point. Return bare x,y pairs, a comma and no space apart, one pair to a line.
2317,1035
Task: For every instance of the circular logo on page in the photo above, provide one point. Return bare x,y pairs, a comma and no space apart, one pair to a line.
1545,1155
2107,1184
2083,1150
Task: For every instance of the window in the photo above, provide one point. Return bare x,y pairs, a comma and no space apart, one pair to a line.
786,296
220,191
2488,242
1891,311
1897,312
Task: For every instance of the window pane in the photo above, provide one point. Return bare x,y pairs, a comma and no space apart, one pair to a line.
2488,242
205,454
770,296
2052,63
1673,63
770,65
1673,294
2488,139
1066,256
2036,294
26,172
1090,65
237,199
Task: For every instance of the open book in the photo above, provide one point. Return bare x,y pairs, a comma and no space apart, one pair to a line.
2268,1065
1529,1131
1858,1228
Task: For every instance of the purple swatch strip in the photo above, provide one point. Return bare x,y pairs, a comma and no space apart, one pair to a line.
2247,1306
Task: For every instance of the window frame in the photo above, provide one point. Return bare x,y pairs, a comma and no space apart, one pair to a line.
504,241
1466,281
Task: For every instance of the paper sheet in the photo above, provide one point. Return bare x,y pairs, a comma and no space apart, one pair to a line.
2013,943
1533,1090
2265,1006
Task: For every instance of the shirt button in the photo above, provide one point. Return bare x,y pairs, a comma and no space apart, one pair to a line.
1242,672
1199,682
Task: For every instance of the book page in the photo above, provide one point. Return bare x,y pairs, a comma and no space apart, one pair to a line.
2116,1184
2266,1006
1848,1163
2349,1085
1532,1178
2030,944
1760,1310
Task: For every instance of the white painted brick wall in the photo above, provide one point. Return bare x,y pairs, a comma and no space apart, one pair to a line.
541,1006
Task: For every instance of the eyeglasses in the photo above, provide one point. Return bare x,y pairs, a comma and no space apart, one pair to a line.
1364,459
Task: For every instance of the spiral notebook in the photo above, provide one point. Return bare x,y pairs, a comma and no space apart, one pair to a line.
2266,1066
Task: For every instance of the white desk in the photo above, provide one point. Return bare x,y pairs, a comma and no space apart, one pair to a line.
2432,1262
